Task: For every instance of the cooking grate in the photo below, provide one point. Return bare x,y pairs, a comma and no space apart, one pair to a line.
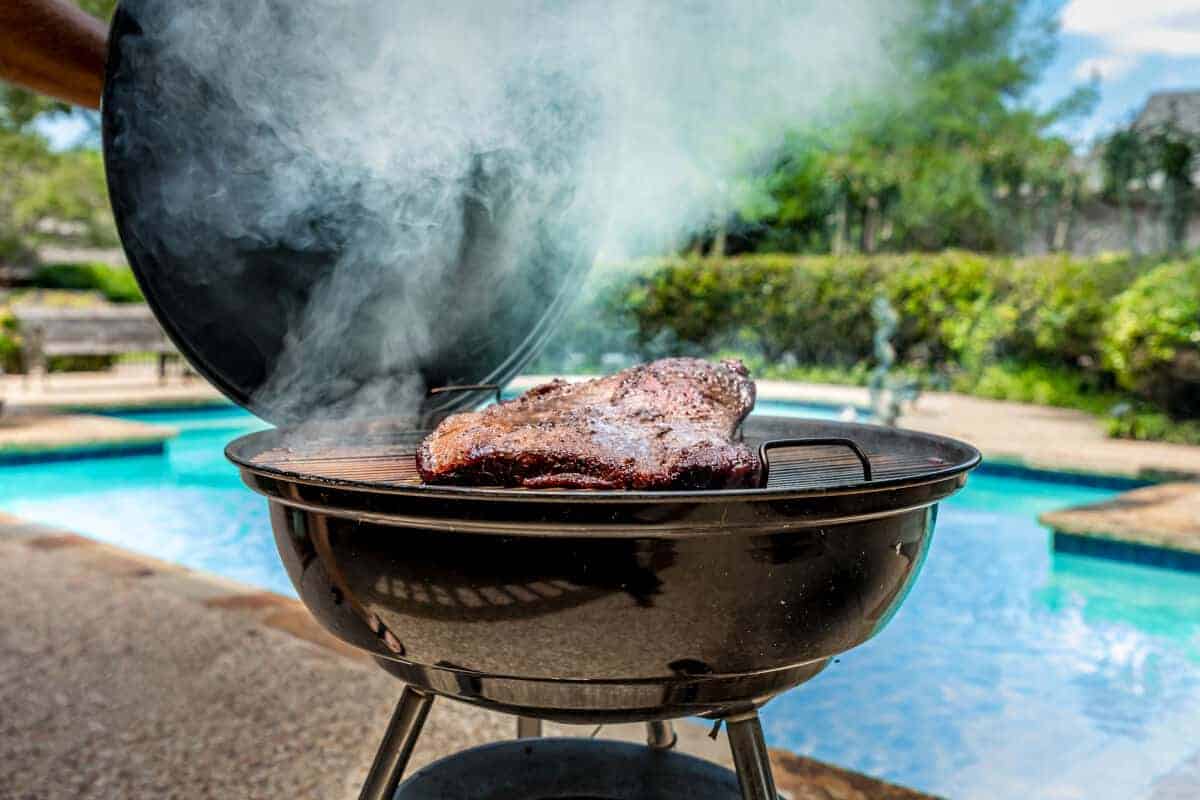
792,467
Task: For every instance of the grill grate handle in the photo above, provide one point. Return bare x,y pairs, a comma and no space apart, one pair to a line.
828,441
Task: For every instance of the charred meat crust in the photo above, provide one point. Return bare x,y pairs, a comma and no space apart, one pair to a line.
669,424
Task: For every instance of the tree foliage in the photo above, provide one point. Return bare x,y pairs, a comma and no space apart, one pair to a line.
957,159
1152,337
42,190
1154,166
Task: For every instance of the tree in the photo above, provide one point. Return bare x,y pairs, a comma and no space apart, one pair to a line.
22,156
38,186
957,158
1160,158
1125,160
1175,154
70,191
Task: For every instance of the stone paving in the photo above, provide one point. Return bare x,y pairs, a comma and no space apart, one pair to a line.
125,677
1056,439
42,434
1166,516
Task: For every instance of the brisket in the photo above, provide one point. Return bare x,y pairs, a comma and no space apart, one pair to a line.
670,424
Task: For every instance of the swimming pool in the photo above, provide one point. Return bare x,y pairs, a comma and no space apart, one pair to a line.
1010,672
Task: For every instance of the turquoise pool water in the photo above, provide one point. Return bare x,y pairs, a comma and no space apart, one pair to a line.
1009,673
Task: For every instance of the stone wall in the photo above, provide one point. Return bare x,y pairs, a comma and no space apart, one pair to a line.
1100,227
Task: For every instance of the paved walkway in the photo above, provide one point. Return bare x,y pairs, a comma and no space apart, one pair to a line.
125,677
127,386
1050,438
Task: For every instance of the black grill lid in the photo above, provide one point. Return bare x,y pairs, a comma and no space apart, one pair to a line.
233,305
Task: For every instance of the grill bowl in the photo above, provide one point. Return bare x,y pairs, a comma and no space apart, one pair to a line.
603,605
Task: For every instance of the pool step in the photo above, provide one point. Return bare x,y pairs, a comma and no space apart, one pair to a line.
34,438
1156,525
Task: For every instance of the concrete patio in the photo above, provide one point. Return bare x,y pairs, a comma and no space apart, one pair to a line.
126,677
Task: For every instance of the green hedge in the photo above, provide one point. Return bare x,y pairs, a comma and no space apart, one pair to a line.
1052,329
1154,427
117,284
1152,339
10,342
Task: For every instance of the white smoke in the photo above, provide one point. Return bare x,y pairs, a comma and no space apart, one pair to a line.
368,135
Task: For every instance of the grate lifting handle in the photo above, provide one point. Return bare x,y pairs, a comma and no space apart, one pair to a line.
468,387
834,441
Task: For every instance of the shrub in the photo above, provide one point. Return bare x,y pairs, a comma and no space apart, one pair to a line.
10,343
1050,330
1061,304
1152,339
1154,426
1044,384
947,307
80,363
14,249
117,284
803,310
958,311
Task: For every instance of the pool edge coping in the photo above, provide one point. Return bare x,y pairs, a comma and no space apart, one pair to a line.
33,437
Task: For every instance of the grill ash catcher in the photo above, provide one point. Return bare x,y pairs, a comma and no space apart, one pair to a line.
587,607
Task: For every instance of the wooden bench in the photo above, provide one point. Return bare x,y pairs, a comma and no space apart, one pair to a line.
94,331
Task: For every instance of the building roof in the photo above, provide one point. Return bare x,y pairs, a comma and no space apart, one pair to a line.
1181,108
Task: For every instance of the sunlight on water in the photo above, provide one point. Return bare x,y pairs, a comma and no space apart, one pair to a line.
1010,672
188,506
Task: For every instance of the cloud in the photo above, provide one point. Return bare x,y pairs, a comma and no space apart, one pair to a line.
1130,30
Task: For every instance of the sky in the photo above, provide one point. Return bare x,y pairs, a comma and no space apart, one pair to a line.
1134,47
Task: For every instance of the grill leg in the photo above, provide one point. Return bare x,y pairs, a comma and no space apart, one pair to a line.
397,746
529,728
660,735
750,757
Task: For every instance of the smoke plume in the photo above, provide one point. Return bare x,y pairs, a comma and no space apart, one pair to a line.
405,187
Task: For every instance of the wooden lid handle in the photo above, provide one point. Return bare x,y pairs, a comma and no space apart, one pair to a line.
53,47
